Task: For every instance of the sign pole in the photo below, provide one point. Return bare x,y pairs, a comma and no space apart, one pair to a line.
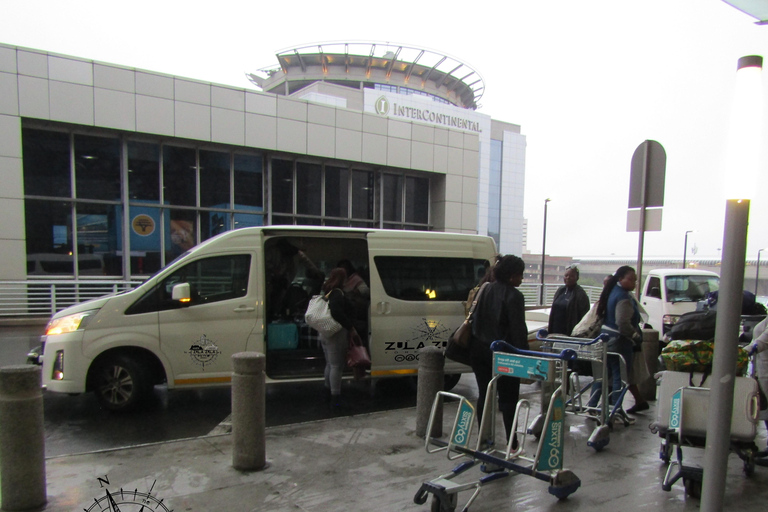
641,236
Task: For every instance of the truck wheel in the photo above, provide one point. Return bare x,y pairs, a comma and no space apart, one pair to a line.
120,383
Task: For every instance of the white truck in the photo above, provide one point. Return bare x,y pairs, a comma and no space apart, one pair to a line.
669,293
247,290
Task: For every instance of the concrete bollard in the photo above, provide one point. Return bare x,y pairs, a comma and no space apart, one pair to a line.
22,439
649,355
248,411
431,380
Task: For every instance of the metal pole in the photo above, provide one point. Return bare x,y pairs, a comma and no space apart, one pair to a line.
641,237
721,382
543,253
685,246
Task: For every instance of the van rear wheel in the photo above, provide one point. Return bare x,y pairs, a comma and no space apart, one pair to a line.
120,383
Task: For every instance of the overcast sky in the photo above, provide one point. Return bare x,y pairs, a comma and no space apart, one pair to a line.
587,82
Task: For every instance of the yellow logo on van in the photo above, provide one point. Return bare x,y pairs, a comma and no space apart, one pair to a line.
143,225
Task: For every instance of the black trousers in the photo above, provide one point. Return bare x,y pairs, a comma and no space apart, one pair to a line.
508,388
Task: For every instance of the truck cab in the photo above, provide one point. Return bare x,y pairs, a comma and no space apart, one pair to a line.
669,293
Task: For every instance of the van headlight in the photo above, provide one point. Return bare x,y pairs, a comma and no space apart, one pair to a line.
69,323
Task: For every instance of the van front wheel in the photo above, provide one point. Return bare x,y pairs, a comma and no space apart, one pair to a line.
119,383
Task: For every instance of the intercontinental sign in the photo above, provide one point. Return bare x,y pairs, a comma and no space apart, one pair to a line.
385,108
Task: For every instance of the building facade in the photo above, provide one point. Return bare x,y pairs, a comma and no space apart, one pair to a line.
114,171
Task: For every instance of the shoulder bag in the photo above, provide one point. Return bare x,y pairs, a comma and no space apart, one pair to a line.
318,316
457,348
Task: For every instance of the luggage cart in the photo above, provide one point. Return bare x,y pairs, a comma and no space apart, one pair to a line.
496,464
682,422
591,350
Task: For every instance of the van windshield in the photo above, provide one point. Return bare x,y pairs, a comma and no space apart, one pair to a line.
690,288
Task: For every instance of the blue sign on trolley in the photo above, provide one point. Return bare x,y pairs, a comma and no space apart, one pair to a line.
524,367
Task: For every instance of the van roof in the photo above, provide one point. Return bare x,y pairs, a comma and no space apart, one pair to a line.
663,272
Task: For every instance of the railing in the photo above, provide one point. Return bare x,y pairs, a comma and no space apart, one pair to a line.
531,293
20,299
26,299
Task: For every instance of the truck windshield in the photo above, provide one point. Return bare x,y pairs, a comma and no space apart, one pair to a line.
690,288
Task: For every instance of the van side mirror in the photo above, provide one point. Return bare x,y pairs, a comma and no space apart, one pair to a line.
182,293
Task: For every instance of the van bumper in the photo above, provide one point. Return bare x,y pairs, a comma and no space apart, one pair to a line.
64,367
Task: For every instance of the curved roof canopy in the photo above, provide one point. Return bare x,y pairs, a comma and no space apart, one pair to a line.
383,63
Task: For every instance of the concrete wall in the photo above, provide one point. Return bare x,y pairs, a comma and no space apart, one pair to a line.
50,87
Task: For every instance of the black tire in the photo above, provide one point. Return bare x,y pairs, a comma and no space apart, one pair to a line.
120,383
692,487
451,380
438,505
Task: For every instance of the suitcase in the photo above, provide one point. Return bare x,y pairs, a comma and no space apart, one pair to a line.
696,404
282,336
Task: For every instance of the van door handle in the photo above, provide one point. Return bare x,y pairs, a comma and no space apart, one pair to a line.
244,309
383,308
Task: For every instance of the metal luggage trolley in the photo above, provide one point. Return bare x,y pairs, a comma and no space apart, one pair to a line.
496,464
682,422
590,350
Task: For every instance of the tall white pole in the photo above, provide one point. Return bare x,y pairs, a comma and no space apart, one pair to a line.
744,148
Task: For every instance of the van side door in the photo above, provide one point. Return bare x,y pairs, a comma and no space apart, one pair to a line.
199,337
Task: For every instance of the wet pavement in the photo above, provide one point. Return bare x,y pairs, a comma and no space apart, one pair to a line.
375,461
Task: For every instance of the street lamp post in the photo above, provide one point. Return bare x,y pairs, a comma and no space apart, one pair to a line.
543,253
745,143
757,272
685,246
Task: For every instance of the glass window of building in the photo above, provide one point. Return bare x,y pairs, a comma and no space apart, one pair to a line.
46,163
416,200
214,179
309,183
336,192
392,200
362,198
97,167
282,186
143,172
494,191
179,176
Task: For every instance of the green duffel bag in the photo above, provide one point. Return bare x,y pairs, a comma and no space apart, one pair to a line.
696,356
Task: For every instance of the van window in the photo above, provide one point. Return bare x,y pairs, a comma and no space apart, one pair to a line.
690,288
210,280
427,278
654,287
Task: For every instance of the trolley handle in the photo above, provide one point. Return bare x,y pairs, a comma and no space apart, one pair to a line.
543,334
567,354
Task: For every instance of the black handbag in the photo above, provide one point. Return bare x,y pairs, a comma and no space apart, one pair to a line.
457,348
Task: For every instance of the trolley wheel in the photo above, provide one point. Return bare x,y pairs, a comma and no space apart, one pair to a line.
692,487
665,452
448,505
749,463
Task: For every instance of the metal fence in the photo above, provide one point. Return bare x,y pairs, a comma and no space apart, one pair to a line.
27,299
531,293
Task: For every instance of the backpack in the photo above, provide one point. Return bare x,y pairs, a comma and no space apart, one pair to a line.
696,325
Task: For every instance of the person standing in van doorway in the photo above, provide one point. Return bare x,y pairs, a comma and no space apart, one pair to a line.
499,315
335,346
569,305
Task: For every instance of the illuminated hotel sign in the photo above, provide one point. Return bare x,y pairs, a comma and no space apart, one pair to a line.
387,108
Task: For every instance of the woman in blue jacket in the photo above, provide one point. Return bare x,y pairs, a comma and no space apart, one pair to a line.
621,321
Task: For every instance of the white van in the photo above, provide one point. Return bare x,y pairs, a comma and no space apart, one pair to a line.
668,293
248,290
